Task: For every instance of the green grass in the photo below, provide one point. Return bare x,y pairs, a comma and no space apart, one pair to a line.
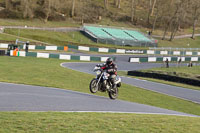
52,122
38,23
180,43
60,38
48,72
56,38
7,38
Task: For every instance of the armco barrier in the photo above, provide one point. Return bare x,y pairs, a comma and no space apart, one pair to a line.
165,77
57,56
161,59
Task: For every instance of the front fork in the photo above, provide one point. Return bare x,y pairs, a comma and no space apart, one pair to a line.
107,85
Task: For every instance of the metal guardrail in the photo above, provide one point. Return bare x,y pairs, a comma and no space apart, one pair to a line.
43,28
173,49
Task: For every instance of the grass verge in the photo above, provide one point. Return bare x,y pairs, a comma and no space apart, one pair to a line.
61,38
48,72
52,122
180,43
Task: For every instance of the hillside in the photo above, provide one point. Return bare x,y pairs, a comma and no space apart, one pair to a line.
169,17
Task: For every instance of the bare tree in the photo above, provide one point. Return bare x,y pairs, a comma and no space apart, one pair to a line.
73,8
195,14
119,4
28,8
178,17
132,9
116,2
8,4
171,2
106,4
47,9
153,6
149,13
168,16
155,19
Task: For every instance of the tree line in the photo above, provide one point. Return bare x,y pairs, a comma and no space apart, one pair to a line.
167,15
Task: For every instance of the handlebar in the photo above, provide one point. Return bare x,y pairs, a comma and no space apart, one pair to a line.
98,68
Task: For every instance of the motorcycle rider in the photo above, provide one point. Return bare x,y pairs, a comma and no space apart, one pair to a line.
111,69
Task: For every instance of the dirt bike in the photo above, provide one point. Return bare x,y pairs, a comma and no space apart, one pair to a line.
102,83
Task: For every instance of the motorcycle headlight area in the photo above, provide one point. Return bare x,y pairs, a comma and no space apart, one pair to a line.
98,72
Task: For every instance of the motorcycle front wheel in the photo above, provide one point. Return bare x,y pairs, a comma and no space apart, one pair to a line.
113,93
93,86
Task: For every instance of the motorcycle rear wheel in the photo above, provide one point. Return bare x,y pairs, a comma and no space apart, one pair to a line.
113,93
93,86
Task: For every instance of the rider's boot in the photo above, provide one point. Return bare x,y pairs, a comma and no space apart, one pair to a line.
113,83
114,86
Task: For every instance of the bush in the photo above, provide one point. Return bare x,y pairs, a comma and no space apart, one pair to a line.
10,14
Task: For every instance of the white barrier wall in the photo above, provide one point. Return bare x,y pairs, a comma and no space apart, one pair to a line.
51,48
176,53
65,57
164,52
103,50
3,45
150,52
43,55
30,47
83,48
22,53
194,58
182,58
165,58
122,51
188,53
134,59
104,58
152,59
85,58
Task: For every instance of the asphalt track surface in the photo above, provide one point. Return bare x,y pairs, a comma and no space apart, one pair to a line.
16,97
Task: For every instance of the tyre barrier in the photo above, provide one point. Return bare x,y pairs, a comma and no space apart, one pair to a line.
2,52
58,56
193,82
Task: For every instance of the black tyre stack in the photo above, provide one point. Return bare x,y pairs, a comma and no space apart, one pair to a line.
2,52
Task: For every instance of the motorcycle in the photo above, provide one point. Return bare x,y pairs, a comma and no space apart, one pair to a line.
102,83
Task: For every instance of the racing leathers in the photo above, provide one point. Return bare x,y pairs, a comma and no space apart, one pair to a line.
111,69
